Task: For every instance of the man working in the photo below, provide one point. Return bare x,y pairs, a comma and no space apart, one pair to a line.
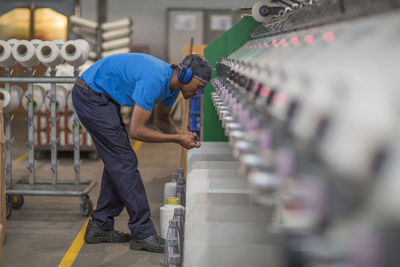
144,82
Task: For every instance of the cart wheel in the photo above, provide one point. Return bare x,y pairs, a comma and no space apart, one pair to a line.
86,206
16,201
9,210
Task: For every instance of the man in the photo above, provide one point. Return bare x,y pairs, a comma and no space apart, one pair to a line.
144,82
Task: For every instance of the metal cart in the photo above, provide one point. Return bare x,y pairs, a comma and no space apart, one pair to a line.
31,185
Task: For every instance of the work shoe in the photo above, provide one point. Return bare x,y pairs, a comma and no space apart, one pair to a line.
94,234
154,243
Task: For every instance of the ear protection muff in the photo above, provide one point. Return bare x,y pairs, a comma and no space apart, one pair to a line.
185,75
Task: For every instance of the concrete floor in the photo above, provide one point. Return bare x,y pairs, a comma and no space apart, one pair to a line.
42,230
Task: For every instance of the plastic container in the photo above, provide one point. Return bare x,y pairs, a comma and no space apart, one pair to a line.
167,214
179,215
170,188
180,188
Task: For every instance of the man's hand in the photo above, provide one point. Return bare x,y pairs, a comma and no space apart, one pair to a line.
189,140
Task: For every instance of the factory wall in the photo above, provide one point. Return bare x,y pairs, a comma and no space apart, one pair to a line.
150,16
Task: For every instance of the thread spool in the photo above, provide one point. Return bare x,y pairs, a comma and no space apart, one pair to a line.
15,97
108,26
260,11
84,31
69,102
43,139
92,55
71,126
115,44
70,137
167,214
75,52
38,98
85,66
82,22
6,57
120,33
25,53
49,54
62,121
89,141
116,51
43,122
58,43
12,42
61,98
36,42
5,96
65,70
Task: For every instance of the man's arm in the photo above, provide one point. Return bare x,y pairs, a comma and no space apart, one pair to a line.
139,131
163,120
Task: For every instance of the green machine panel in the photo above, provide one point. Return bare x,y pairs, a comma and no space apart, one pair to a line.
223,46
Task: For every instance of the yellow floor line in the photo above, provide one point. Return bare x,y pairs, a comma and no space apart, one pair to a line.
20,158
78,242
74,249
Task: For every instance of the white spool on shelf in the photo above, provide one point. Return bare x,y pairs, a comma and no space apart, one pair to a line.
92,55
84,31
89,141
38,98
108,26
82,22
5,96
43,139
75,52
115,44
69,102
116,51
70,137
59,43
36,42
15,98
111,35
12,42
43,122
260,11
6,57
71,125
62,121
25,53
167,214
61,98
49,54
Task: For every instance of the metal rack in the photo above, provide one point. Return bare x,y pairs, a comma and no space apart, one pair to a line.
31,186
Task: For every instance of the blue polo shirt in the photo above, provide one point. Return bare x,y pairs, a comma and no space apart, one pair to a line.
131,79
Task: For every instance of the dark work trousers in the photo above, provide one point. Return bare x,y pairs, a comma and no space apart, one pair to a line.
121,183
